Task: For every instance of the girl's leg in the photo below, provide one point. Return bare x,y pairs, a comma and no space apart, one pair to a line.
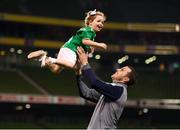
53,67
40,55
66,58
64,63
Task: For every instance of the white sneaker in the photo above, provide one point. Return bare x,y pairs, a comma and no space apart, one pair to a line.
42,60
39,55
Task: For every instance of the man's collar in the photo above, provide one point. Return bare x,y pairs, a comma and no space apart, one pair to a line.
119,84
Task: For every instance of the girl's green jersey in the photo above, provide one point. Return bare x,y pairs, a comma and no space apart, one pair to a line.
76,40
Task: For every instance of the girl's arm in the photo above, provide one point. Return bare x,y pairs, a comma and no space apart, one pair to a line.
94,44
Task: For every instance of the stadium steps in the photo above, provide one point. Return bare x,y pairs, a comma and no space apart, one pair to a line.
29,80
14,81
56,84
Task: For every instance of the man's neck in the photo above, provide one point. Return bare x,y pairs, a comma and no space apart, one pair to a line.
117,81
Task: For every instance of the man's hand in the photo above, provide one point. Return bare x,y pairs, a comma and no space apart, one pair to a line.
83,57
77,68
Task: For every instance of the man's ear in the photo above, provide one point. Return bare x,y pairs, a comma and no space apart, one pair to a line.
126,79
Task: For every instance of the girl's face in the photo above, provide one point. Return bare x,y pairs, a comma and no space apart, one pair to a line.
98,23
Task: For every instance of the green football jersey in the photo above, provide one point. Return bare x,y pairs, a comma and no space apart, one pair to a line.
76,40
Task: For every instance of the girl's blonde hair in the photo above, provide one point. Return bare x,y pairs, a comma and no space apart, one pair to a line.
91,15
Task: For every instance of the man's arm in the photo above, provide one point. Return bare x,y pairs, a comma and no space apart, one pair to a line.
113,92
85,92
110,91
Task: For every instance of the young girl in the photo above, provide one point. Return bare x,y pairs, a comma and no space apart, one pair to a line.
84,37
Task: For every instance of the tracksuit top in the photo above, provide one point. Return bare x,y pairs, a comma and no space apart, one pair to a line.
110,98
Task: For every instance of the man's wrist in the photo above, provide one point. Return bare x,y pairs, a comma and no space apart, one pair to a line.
85,63
77,74
86,66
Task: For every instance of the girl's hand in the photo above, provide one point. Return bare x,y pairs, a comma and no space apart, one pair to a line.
90,54
92,50
103,46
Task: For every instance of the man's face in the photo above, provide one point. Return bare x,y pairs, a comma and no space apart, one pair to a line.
98,23
121,74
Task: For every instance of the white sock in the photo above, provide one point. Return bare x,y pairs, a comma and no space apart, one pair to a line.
53,60
43,61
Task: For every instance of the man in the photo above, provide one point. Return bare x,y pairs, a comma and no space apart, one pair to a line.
110,97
